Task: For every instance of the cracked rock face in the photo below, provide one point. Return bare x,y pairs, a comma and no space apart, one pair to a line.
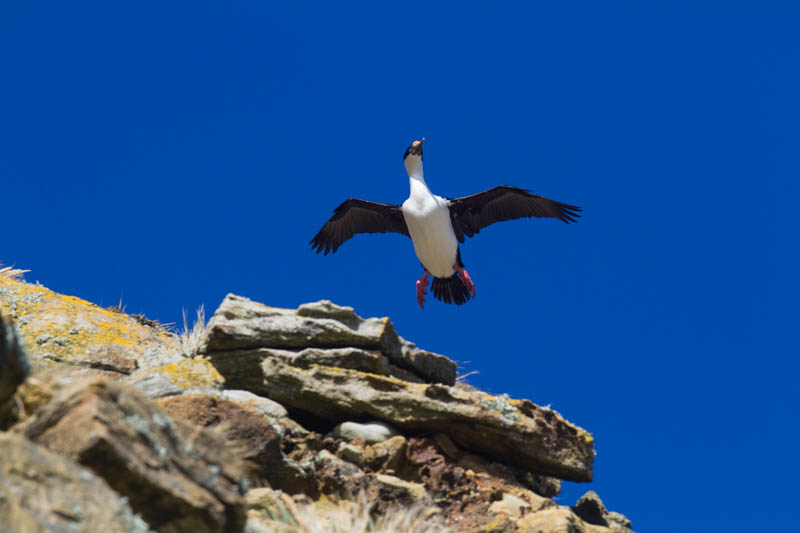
516,432
42,491
177,477
248,429
242,325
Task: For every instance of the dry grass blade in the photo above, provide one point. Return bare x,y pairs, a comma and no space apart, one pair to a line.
15,274
190,338
462,378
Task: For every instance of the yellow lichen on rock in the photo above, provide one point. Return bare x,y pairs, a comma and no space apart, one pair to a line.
67,329
189,374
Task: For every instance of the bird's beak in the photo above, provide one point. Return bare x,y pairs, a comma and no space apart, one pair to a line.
417,145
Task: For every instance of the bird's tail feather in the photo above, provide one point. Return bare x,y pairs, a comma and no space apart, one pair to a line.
450,290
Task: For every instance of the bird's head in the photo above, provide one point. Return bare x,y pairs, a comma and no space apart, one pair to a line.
414,149
413,157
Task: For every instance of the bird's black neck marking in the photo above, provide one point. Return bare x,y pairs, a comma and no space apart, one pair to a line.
412,151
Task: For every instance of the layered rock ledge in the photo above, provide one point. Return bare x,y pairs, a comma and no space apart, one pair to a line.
241,326
516,432
274,419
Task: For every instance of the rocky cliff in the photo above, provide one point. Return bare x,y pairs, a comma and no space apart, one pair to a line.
264,419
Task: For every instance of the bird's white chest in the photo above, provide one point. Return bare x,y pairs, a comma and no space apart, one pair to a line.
428,219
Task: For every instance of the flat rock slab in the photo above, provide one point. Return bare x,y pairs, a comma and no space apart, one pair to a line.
64,329
242,368
516,432
42,491
242,324
178,477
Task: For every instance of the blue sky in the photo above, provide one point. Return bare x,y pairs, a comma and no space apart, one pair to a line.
165,155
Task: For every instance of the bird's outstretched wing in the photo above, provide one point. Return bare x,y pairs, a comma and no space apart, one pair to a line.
470,214
358,216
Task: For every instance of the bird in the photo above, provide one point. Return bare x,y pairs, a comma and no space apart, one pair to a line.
436,225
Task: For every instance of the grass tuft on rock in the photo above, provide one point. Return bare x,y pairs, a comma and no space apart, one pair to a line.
300,515
191,337
15,274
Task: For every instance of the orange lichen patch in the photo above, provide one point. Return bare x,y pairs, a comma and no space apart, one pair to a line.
72,330
197,373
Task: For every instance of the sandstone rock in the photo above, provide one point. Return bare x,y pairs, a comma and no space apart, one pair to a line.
325,459
327,309
248,430
435,368
618,521
265,406
558,520
546,486
241,324
196,375
386,456
178,477
590,508
42,491
369,433
244,426
337,476
242,368
153,385
509,505
47,382
447,445
65,329
14,366
466,496
351,453
399,490
516,432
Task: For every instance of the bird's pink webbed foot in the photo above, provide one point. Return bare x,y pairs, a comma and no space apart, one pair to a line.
465,279
422,289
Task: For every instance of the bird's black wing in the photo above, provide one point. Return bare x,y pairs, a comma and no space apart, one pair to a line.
358,216
470,214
